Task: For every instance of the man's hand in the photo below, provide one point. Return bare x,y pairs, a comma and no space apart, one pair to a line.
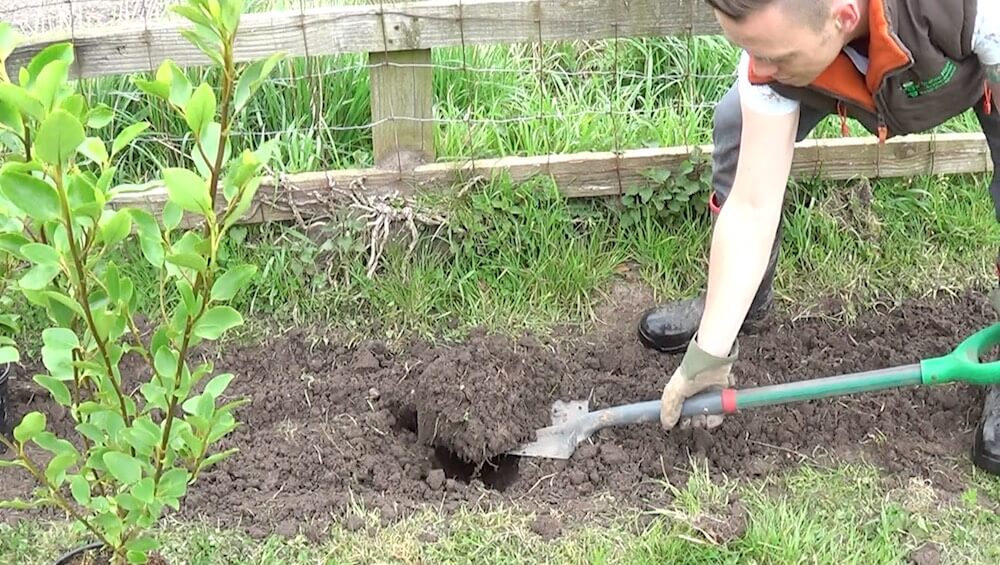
697,372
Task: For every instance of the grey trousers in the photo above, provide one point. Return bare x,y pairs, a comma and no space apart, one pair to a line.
726,137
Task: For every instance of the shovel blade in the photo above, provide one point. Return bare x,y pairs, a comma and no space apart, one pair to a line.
556,442
559,440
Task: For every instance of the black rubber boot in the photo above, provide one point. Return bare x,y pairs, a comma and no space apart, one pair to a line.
986,445
670,327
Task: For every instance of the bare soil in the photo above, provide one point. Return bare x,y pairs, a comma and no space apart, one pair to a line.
331,426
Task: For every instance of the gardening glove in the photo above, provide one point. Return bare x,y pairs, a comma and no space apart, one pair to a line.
698,371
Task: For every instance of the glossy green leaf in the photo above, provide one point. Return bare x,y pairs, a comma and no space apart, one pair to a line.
216,321
31,425
38,277
100,116
200,109
35,197
40,253
55,471
127,136
21,99
57,352
187,190
172,215
10,118
218,384
49,83
150,240
9,40
94,149
232,281
9,354
153,88
58,138
57,388
251,78
173,483
188,260
115,227
62,51
80,488
123,467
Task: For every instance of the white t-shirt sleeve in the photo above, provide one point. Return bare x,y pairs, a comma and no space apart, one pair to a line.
761,97
986,32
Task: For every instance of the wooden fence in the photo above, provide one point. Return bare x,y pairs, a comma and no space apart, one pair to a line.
398,39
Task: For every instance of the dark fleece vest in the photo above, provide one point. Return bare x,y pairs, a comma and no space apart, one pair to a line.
922,70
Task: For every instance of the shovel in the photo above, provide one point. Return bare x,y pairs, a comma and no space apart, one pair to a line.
572,422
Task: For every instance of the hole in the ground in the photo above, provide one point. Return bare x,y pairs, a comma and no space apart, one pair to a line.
498,473
406,419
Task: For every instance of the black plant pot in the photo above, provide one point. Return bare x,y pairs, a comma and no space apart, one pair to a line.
77,554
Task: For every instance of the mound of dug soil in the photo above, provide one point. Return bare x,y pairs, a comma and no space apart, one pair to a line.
330,426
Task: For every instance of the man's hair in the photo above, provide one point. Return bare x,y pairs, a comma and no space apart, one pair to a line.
812,12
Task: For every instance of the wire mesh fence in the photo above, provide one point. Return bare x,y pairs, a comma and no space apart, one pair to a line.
489,100
507,77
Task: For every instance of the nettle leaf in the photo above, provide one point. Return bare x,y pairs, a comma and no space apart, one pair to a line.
187,190
200,109
216,321
123,467
127,136
234,280
58,137
35,197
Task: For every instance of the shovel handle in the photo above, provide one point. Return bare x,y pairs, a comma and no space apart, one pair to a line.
649,411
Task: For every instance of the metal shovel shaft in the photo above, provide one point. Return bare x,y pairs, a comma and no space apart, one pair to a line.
559,441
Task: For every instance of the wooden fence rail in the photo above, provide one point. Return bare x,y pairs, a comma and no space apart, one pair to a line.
398,39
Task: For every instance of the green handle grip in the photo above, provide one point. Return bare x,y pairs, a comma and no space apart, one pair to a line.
965,362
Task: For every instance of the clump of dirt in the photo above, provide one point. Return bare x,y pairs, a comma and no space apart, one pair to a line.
926,554
470,399
332,428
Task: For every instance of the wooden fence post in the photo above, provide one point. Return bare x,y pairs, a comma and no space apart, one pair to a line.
400,95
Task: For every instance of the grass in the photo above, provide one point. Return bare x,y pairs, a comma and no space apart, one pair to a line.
843,515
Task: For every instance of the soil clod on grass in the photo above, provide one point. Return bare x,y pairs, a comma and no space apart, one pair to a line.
318,446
